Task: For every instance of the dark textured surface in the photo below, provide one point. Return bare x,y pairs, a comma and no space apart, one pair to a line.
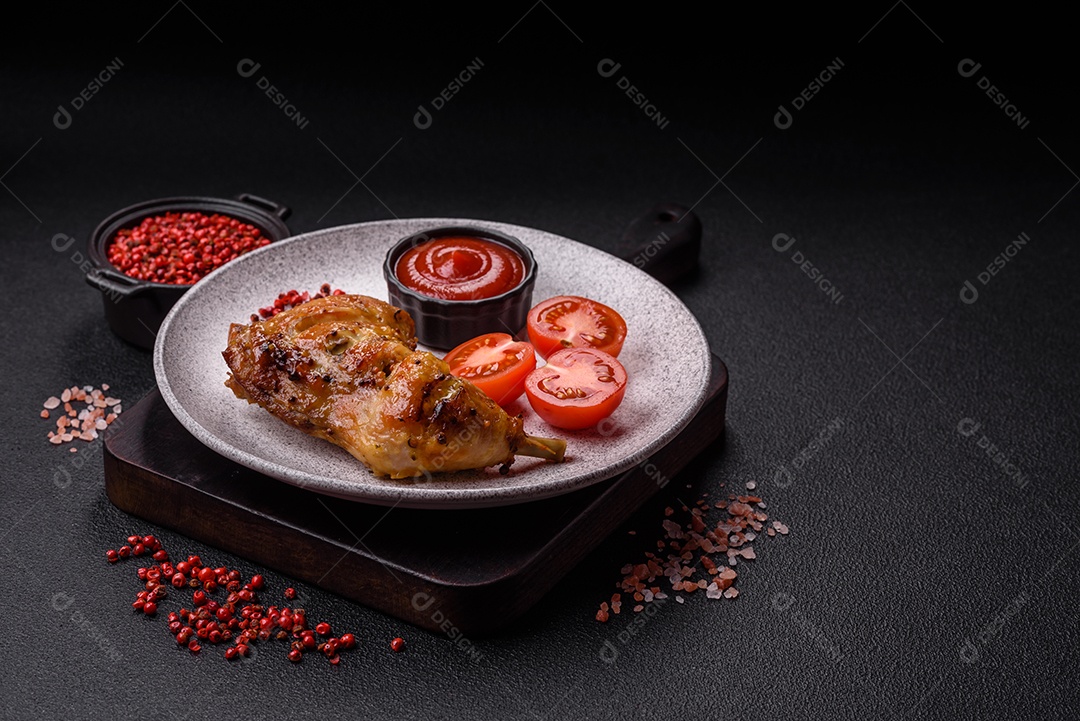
899,180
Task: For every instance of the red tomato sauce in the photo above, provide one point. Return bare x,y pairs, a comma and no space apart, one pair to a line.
460,268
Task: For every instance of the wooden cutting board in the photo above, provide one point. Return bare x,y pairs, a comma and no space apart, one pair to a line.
479,569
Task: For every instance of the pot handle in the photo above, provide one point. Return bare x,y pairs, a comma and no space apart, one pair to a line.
664,242
281,211
113,285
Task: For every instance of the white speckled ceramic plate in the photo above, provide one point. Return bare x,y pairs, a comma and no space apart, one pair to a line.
666,357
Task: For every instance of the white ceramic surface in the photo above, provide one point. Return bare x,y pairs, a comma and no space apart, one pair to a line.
666,357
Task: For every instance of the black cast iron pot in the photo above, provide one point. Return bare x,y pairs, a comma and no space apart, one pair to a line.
135,308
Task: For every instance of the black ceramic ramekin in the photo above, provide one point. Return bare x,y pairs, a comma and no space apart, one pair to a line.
135,308
445,324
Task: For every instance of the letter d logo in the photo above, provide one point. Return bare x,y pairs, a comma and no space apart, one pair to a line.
247,67
62,601
782,119
607,67
61,242
778,242
969,293
782,601
968,67
967,427
783,477
422,119
62,118
61,479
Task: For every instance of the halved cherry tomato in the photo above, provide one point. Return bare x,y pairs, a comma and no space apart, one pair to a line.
496,364
567,321
578,388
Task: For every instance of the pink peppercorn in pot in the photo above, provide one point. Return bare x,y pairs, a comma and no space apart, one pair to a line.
144,257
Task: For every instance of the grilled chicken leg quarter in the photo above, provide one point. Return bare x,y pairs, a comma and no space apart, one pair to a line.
345,368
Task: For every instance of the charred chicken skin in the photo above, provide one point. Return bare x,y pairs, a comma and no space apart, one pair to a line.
345,368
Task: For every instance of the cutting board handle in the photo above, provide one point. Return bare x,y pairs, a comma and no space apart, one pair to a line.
664,242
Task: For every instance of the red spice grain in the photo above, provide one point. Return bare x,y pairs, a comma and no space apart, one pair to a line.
289,299
181,248
238,616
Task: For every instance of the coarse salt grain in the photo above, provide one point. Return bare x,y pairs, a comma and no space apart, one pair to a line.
690,544
82,423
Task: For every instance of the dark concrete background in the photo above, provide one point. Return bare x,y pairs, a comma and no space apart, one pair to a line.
919,579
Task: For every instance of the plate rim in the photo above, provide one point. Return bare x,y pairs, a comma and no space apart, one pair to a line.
414,496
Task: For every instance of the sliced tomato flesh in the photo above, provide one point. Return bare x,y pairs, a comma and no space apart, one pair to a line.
578,388
495,363
570,321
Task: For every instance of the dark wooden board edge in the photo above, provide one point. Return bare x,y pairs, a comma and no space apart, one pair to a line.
354,573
